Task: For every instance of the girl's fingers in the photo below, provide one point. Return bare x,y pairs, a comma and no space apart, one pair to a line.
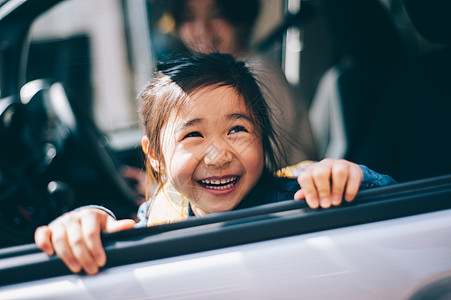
324,183
43,239
80,251
321,178
340,173
353,184
62,248
75,237
309,189
91,227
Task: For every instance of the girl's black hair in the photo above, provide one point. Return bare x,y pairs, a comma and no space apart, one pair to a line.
194,72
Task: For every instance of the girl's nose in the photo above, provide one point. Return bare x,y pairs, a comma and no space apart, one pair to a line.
217,156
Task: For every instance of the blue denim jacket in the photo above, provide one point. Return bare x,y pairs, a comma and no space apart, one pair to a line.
272,190
373,179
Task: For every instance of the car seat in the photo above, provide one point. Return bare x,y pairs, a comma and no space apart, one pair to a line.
426,96
369,49
409,139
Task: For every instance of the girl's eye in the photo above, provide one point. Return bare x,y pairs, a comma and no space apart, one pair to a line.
193,134
237,129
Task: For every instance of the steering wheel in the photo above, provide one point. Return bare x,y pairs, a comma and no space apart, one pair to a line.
72,146
53,158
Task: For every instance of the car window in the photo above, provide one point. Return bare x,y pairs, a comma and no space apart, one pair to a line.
98,57
81,70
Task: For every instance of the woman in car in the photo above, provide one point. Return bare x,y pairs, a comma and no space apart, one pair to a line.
225,26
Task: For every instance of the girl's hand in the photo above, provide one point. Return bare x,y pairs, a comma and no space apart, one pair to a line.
75,237
324,183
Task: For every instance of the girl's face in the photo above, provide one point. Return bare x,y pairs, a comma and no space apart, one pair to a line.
213,150
204,30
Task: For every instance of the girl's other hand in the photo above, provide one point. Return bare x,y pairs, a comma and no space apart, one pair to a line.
75,237
324,183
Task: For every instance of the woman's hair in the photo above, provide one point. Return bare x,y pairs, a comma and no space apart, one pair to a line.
176,80
240,14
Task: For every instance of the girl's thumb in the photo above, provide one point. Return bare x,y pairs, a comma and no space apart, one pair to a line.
117,225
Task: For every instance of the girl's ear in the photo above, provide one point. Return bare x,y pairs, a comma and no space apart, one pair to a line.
154,163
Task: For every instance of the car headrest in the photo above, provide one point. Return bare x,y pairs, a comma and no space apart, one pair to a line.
431,18
363,29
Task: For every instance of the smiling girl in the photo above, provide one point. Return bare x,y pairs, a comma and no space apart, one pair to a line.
210,147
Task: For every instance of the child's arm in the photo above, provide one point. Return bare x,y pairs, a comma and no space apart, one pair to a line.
75,237
324,183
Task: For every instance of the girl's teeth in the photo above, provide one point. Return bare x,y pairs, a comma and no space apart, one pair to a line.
219,181
221,187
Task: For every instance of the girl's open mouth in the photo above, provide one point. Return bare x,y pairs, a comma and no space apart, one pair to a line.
223,183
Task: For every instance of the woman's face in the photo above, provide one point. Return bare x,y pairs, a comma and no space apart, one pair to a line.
213,150
203,29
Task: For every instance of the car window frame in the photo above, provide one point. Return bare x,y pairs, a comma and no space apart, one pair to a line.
234,228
